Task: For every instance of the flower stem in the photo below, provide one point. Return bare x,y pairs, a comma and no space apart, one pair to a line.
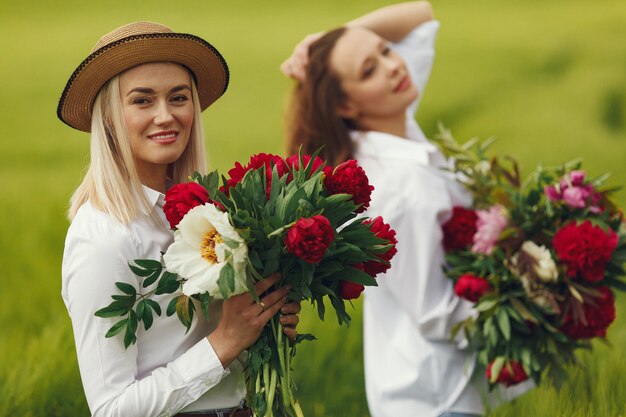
266,385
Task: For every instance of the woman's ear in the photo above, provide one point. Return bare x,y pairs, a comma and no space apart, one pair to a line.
348,110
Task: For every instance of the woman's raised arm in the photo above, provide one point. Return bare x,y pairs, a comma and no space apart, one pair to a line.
390,22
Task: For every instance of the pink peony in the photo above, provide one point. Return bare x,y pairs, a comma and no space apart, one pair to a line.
573,191
490,224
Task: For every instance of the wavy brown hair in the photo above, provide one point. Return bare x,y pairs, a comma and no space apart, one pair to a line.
312,118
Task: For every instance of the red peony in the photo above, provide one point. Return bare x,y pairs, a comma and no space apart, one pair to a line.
181,198
471,287
383,231
309,238
349,178
585,249
294,163
511,374
256,161
459,231
350,290
598,317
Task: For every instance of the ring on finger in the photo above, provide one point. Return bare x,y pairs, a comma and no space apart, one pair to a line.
263,306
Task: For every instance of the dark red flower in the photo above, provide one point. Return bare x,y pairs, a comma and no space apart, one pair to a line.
349,178
471,287
598,317
309,238
350,290
181,198
585,249
459,231
257,161
383,231
293,162
511,374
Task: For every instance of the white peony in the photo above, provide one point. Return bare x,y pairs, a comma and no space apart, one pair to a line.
545,268
204,244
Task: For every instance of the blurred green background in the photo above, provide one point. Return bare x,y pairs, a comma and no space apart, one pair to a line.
547,78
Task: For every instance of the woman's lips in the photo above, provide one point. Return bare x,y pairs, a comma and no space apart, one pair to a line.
404,84
164,137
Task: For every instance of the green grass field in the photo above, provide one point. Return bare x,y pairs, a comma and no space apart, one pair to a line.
547,78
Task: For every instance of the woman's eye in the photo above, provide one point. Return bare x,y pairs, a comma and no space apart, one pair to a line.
140,100
180,98
386,50
369,70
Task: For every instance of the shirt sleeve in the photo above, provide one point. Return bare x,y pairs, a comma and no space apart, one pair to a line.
95,258
415,210
418,51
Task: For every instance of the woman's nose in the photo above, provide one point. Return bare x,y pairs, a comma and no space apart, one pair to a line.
163,114
393,65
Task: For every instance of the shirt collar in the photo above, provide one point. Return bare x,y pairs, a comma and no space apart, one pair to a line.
155,198
384,145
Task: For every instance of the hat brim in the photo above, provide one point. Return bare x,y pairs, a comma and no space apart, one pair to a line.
205,62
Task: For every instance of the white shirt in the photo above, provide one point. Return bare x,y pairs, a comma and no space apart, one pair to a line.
411,366
166,371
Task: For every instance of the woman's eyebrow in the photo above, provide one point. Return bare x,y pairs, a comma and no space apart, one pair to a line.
147,90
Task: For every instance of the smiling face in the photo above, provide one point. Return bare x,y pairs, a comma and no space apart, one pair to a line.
373,77
157,105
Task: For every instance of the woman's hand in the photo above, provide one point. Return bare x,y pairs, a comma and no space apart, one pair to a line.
295,65
243,319
290,319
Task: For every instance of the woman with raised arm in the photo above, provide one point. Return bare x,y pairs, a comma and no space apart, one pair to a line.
358,88
140,93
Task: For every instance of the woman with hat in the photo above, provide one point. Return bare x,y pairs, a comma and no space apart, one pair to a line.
140,94
357,90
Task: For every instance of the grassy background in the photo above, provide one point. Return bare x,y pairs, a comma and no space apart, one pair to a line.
547,78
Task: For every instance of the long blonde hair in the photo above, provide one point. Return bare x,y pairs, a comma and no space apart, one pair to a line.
112,183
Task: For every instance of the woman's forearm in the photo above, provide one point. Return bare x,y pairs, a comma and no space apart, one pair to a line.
396,21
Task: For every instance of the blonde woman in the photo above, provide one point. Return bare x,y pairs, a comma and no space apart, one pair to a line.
140,93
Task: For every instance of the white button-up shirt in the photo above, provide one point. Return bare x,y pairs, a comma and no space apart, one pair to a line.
166,371
411,366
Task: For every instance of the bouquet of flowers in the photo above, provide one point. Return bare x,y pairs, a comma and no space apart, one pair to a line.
295,216
539,259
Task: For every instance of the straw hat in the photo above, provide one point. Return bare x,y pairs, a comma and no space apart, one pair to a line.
135,44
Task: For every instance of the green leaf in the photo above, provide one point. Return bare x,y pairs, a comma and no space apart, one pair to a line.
171,306
116,328
141,307
126,288
496,368
255,260
167,284
140,272
116,308
523,311
147,318
503,323
149,264
486,305
204,299
226,281
305,337
258,404
131,329
533,198
184,310
352,274
155,306
151,279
